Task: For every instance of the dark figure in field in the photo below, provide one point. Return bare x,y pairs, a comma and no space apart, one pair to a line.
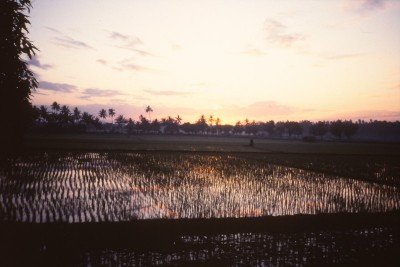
251,142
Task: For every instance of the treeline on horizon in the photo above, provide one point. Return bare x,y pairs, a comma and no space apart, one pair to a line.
60,118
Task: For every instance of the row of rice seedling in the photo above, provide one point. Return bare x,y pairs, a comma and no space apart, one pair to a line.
93,187
372,168
208,190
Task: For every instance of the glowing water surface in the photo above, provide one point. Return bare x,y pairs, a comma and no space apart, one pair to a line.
92,187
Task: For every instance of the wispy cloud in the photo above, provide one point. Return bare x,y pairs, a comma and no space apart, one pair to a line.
67,41
70,42
278,34
168,93
57,87
38,93
131,43
124,65
93,92
117,35
53,30
130,64
102,61
34,61
133,67
367,6
339,56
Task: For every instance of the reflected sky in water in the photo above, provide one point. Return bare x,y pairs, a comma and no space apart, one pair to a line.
92,187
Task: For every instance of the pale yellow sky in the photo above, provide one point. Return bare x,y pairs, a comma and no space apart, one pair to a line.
262,60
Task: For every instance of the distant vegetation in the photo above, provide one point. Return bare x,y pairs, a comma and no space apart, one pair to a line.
60,118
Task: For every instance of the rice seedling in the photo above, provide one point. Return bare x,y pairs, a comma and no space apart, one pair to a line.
109,187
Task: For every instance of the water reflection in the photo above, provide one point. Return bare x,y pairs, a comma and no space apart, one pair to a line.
92,187
368,246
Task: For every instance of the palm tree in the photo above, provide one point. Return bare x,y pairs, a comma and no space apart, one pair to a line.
76,115
65,114
178,120
87,118
103,113
55,107
149,110
202,120
120,120
211,120
111,113
44,114
130,125
238,128
217,122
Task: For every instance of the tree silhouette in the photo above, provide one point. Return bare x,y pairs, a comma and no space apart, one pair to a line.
16,80
43,114
217,121
87,118
103,113
149,110
293,128
155,126
201,124
336,128
270,127
76,115
202,120
178,120
130,126
218,124
238,128
111,113
211,120
320,128
247,126
65,115
120,120
349,128
55,107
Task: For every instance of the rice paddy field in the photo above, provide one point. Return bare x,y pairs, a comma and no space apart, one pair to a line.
99,207
79,187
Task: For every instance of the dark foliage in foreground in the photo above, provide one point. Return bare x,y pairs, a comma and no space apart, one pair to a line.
16,80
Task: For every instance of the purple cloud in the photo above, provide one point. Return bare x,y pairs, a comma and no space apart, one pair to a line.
130,43
92,92
57,87
102,61
34,61
117,35
367,6
53,30
69,42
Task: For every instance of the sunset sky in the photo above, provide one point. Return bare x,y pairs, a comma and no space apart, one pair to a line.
262,60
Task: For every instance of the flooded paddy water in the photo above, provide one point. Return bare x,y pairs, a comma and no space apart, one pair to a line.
75,188
98,187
